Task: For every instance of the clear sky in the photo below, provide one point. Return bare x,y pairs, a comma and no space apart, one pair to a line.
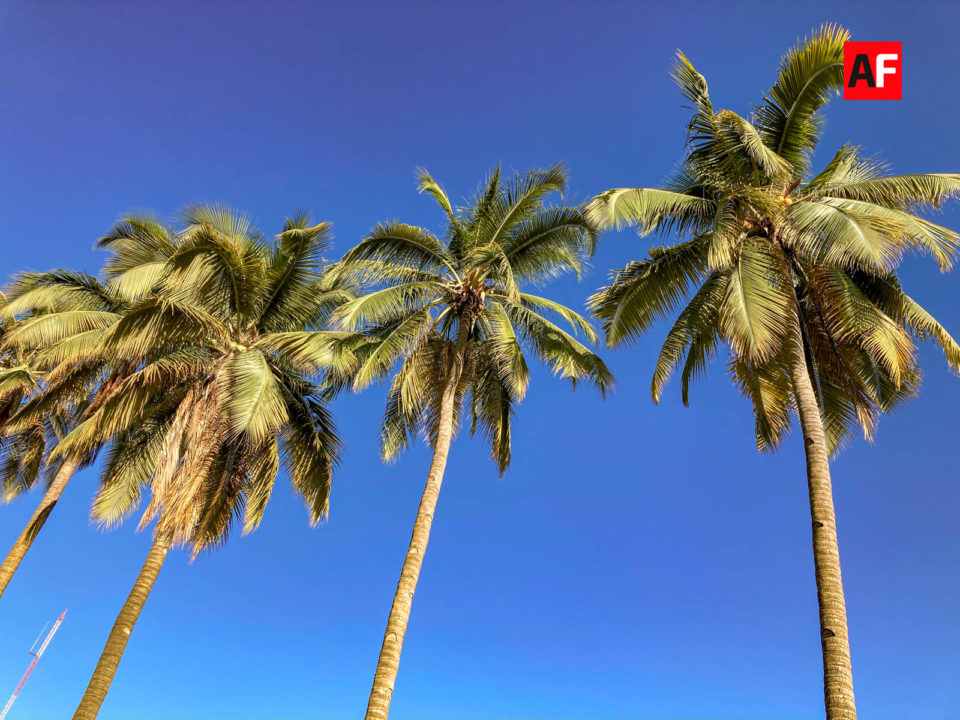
636,560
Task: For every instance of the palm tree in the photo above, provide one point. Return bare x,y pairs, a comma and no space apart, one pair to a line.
213,404
51,315
452,314
795,273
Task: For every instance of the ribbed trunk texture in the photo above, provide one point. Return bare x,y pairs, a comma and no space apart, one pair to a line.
378,706
106,668
39,517
834,640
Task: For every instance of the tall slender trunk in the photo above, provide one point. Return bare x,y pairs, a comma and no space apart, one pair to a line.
36,521
834,640
106,668
378,706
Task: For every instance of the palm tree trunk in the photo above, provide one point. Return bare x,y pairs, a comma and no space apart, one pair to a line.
378,706
106,668
39,517
834,640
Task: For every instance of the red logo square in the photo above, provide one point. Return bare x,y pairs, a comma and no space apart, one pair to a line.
871,71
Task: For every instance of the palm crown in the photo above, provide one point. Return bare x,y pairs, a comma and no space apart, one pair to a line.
435,300
771,251
209,404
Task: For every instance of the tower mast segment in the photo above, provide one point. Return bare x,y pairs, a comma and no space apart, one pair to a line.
33,664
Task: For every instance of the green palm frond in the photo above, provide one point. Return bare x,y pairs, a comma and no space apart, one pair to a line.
903,230
250,396
693,336
372,273
405,245
850,316
45,330
295,264
221,272
552,243
57,291
22,455
311,351
414,386
426,184
745,137
577,322
20,380
310,449
845,236
759,301
264,464
493,404
644,292
139,282
903,192
388,344
889,297
504,346
768,388
847,166
73,349
788,120
519,200
386,304
563,353
161,321
651,210
130,465
135,242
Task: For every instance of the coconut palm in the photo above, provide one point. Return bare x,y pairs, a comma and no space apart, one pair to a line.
453,314
213,405
794,272
51,315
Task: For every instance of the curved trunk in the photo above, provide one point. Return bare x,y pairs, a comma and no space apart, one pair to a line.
39,517
834,641
378,705
106,668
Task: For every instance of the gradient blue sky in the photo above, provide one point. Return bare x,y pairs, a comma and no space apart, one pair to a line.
636,561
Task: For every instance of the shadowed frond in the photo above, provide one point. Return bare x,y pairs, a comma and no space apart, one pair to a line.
644,292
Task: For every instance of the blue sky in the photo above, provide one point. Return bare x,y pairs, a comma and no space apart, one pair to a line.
637,560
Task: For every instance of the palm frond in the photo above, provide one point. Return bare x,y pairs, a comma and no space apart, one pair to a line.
400,244
646,291
693,335
759,301
810,74
651,210
250,397
292,274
